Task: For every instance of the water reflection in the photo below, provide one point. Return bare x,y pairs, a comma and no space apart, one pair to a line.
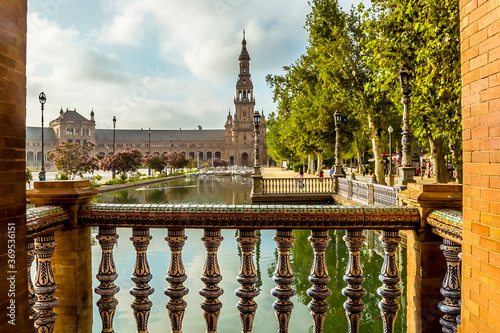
236,190
215,190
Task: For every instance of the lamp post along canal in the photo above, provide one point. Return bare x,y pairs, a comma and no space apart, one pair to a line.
391,176
41,176
406,171
338,153
171,145
149,149
114,144
257,176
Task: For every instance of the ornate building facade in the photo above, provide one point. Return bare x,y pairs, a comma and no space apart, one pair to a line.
234,143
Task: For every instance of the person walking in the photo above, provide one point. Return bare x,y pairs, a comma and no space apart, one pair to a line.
321,175
300,178
332,170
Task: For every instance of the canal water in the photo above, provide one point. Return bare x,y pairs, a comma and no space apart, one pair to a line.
236,190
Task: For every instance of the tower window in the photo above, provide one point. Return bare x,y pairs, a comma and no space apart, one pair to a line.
244,81
244,69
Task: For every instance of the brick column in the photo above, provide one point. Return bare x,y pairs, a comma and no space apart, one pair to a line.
13,274
480,57
425,261
72,258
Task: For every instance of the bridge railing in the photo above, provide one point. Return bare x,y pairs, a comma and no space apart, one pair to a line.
247,220
297,185
352,189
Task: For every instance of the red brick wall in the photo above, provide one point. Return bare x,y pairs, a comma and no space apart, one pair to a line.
480,49
12,164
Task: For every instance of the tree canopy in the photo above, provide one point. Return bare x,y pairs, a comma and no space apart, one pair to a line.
351,65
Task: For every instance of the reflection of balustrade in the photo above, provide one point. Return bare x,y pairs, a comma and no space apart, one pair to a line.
246,219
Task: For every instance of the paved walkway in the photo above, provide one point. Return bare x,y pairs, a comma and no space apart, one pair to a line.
280,173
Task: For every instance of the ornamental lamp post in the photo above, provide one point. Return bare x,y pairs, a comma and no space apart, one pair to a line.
149,151
257,176
41,175
114,145
406,171
391,176
338,153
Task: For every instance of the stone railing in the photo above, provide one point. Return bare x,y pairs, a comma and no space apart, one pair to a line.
297,185
441,231
368,193
69,225
303,188
212,218
448,225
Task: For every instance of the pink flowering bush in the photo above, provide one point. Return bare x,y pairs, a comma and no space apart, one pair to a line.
74,159
155,162
123,161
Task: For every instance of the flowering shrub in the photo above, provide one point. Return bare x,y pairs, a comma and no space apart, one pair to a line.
123,161
155,162
72,159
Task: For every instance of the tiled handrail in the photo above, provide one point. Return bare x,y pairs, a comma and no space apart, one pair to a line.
44,219
447,224
249,216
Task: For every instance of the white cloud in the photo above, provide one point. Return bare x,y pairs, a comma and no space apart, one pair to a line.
125,29
158,63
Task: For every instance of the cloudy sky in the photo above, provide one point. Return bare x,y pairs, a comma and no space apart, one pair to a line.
163,64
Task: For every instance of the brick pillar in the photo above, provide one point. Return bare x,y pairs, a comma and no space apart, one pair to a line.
72,258
480,57
425,261
13,292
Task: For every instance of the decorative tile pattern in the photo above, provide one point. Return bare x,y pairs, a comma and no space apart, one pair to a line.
250,216
44,218
447,224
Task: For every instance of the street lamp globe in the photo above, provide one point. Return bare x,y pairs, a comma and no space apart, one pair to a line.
42,98
338,117
256,118
404,80
41,175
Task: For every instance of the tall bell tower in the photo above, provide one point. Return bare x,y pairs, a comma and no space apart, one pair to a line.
244,104
244,101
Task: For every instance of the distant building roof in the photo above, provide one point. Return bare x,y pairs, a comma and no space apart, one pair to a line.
72,116
35,133
159,135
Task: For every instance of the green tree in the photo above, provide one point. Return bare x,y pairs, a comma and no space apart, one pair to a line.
29,177
338,39
330,76
423,35
72,159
